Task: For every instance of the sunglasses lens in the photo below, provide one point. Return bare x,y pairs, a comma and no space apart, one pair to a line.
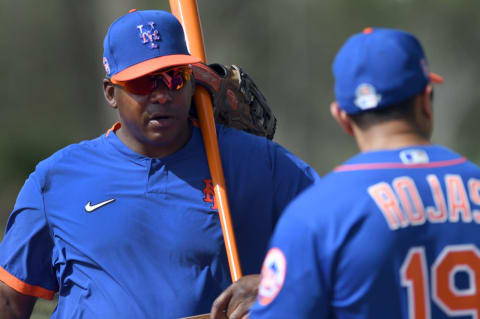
178,80
140,86
174,79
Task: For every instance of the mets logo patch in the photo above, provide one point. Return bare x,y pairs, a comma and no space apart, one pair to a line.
209,194
273,275
106,65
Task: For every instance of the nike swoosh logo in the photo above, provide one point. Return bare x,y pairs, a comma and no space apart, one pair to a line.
90,208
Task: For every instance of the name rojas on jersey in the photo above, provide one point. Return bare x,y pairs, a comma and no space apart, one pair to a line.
402,205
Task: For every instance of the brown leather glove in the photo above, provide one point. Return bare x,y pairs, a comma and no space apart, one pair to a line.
237,101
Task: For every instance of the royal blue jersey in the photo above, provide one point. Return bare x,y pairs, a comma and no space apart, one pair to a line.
122,235
390,234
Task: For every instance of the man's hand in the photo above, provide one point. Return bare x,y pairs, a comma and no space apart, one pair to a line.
237,299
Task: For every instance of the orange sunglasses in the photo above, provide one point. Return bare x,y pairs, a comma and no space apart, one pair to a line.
174,79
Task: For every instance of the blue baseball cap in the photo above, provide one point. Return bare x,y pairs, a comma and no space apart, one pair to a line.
378,68
142,42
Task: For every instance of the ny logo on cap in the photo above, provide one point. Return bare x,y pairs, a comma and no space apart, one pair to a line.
149,36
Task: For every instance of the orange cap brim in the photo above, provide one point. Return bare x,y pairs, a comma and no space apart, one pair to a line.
435,78
149,66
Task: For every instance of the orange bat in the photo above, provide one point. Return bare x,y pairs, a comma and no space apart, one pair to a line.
186,11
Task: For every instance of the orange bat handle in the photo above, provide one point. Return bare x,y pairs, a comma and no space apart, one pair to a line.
186,11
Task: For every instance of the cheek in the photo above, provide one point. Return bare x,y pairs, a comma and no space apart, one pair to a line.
185,109
129,107
133,101
185,99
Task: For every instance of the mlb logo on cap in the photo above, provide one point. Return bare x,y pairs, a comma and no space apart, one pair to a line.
378,68
366,96
142,42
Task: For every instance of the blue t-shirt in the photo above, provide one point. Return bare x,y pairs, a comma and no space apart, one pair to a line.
122,235
390,234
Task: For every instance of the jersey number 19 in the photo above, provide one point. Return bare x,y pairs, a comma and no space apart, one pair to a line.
453,301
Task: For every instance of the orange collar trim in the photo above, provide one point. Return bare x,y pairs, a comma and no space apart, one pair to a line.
115,127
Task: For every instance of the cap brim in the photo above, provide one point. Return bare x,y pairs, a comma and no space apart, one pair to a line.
149,66
435,78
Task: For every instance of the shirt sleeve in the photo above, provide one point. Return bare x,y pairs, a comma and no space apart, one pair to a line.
26,248
294,283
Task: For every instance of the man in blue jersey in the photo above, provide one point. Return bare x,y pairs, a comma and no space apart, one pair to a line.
392,232
126,225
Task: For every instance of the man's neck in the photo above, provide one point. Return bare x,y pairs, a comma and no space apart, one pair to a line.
387,136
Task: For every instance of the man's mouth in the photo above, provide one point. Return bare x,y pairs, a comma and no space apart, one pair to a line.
160,119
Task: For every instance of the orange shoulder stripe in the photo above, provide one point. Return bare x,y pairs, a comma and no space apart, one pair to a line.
24,288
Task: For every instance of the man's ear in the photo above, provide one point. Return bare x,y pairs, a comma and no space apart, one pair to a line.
109,93
341,117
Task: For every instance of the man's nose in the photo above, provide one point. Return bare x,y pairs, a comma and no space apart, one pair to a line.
161,95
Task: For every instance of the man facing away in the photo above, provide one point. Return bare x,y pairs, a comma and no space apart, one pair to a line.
393,231
126,225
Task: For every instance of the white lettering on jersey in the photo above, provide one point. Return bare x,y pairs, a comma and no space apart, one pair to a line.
437,213
402,205
474,190
410,199
457,199
388,203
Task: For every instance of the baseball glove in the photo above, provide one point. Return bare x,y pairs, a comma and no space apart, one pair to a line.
237,101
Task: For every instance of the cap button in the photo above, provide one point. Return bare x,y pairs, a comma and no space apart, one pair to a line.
132,10
368,30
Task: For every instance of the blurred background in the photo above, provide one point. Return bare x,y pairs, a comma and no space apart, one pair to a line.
52,71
